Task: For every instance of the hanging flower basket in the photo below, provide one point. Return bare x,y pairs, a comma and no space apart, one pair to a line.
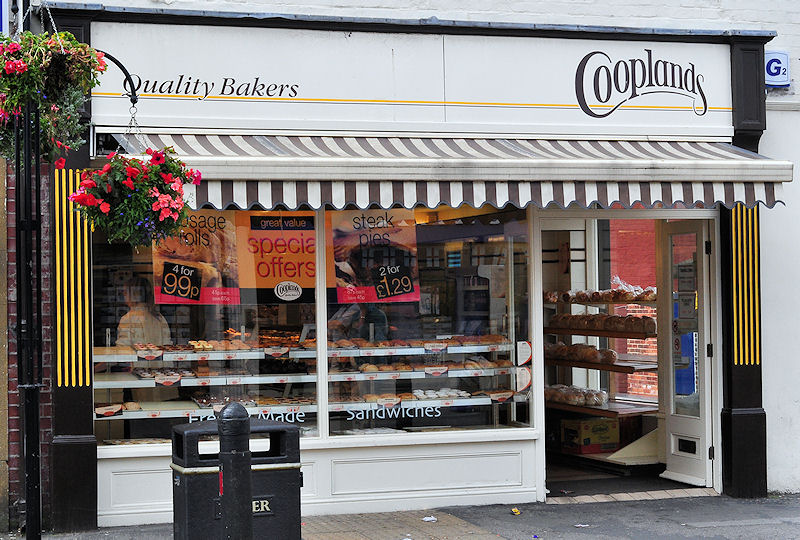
54,73
136,201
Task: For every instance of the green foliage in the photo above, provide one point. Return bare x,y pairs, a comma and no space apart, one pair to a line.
136,201
54,73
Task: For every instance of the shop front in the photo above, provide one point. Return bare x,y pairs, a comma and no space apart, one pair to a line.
404,244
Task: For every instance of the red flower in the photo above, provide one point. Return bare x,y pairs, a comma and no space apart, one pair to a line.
10,67
13,47
88,183
84,199
110,156
105,207
128,182
106,168
149,151
20,66
60,162
167,177
157,158
133,172
108,188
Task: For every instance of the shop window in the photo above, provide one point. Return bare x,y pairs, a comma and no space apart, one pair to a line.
427,320
222,312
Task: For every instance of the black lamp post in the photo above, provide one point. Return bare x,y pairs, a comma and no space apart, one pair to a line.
27,195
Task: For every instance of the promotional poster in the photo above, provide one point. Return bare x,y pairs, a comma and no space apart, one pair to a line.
199,265
375,255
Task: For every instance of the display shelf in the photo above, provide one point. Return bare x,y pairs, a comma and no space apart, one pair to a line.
386,375
652,303
303,353
418,351
625,334
375,376
411,404
203,412
129,380
620,366
612,409
126,355
114,354
270,379
121,380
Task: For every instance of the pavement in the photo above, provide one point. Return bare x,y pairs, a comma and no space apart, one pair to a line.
678,516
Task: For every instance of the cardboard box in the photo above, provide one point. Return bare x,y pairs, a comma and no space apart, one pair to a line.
590,436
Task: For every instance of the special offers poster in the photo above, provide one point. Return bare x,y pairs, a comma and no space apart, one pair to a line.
374,253
277,256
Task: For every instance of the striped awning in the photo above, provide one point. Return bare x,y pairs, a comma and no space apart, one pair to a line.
289,171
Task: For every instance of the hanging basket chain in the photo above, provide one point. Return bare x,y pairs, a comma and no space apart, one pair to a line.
46,7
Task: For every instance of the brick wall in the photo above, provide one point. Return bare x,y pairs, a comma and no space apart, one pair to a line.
16,457
633,259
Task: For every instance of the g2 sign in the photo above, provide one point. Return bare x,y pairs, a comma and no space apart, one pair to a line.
776,65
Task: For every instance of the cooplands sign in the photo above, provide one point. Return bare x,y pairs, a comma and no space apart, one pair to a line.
603,84
371,81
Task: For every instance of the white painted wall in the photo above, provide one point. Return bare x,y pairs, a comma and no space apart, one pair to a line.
780,251
780,296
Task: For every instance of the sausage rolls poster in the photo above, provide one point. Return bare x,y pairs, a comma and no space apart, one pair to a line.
375,255
198,265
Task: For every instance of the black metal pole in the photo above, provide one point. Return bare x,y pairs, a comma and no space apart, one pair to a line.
27,235
236,490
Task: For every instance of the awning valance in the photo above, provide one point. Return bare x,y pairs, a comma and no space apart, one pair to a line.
273,171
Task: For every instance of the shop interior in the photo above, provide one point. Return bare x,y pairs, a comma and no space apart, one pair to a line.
608,371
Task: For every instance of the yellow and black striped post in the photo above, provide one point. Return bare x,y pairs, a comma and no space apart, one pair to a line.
74,446
744,444
73,274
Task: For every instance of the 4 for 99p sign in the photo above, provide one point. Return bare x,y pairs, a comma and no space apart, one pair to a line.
181,280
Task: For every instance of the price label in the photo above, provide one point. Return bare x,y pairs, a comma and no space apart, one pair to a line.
167,380
154,414
436,371
181,280
276,351
447,403
203,382
392,280
234,381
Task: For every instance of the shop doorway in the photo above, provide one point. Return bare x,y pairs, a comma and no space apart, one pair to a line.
627,307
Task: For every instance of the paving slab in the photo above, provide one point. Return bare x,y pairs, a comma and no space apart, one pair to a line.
775,517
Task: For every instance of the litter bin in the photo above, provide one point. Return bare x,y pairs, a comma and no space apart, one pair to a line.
276,480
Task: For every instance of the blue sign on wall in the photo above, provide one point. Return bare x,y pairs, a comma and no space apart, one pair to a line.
776,66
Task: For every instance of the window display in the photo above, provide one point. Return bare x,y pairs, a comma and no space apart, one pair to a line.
427,322
424,325
201,320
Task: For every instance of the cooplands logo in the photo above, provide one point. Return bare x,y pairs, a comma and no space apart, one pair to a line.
288,290
608,83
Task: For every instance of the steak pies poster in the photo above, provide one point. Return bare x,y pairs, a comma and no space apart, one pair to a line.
237,257
375,255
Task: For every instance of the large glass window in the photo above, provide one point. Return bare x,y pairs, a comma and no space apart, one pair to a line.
222,312
427,320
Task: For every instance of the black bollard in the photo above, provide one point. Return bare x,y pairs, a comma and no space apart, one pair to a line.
235,486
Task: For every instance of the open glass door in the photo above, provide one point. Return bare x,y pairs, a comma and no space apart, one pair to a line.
686,379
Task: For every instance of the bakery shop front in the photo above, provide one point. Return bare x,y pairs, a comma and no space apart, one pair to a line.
444,252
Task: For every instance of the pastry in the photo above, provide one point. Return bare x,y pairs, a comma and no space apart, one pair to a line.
607,356
366,368
649,325
385,367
